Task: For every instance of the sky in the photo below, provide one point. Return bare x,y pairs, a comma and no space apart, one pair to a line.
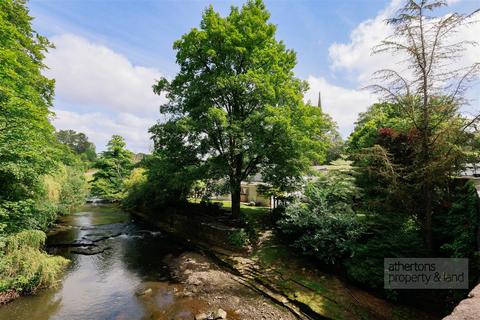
108,54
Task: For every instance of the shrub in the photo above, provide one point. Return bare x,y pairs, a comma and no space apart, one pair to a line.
26,214
238,238
66,188
134,187
325,226
24,267
328,236
73,191
458,224
385,235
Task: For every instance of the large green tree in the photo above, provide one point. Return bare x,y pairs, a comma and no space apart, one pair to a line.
366,131
26,136
113,167
238,103
78,143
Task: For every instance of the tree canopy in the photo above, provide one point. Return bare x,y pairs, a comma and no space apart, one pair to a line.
113,166
235,104
78,143
25,101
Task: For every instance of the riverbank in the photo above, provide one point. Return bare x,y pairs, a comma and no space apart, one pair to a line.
8,296
123,268
272,270
201,279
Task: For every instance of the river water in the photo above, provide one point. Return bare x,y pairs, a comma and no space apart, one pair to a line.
113,259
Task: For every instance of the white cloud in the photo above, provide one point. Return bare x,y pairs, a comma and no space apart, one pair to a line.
99,128
356,60
91,75
342,104
355,56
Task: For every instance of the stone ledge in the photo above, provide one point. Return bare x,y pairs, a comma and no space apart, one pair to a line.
467,309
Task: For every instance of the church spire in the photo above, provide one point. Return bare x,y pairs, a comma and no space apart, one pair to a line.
319,100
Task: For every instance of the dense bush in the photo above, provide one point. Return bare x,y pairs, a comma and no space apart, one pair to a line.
134,187
457,225
66,188
24,267
239,238
163,183
325,226
385,235
74,190
26,214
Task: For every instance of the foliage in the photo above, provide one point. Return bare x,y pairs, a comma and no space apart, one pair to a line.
66,188
325,226
78,143
456,227
172,169
26,214
206,188
384,235
378,116
38,176
239,238
24,267
134,187
237,103
113,166
73,190
25,98
392,158
336,147
29,151
429,92
473,149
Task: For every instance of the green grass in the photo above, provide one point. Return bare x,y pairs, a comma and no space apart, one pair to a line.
227,204
255,218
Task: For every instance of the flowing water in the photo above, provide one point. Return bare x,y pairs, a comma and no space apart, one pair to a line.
113,259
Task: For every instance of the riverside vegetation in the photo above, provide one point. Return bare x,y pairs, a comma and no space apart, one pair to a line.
235,110
40,177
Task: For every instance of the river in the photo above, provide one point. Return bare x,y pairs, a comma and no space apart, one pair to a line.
123,269
113,257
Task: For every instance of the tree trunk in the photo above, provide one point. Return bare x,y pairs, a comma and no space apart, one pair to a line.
235,194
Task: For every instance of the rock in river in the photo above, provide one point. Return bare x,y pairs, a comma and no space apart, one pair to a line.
143,292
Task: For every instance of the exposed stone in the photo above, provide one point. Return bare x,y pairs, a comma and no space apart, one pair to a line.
201,316
148,291
467,309
220,314
144,292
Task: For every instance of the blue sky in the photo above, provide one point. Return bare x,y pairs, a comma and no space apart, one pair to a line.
109,53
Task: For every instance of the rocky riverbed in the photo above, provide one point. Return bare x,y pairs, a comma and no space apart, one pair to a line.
221,290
